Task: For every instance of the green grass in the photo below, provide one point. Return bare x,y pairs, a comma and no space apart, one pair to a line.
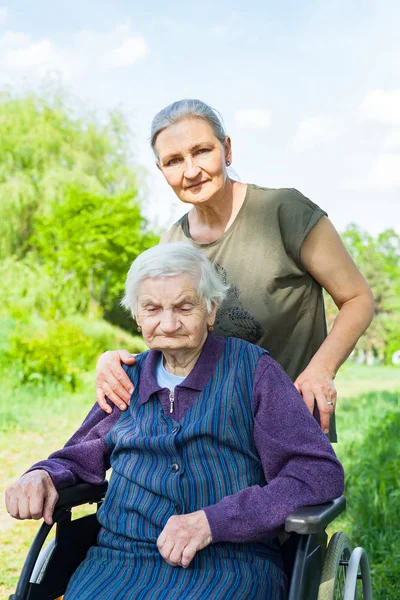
34,422
369,448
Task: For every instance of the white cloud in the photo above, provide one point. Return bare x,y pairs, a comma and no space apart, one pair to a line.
386,171
219,30
314,131
130,50
3,14
381,107
253,118
392,141
32,55
87,50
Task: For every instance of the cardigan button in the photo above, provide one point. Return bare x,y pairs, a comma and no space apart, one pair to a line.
175,429
174,467
179,508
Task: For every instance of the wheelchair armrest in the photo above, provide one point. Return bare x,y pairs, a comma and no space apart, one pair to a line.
313,519
82,493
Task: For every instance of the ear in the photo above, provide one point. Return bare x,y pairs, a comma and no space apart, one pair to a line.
228,149
212,315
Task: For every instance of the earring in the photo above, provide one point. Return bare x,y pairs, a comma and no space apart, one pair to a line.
228,163
211,328
139,329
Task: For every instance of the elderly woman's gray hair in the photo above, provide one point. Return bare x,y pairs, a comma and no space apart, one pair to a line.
184,109
169,260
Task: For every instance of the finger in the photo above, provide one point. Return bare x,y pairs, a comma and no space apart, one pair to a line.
12,504
176,554
161,539
308,397
297,386
101,401
324,411
126,357
122,380
23,507
113,396
49,504
167,548
188,554
36,502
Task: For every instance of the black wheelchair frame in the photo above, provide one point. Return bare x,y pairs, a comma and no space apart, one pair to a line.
46,573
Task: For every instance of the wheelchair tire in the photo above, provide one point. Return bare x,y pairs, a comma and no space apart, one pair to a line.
334,571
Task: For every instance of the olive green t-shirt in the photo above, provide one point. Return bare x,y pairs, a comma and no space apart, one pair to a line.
272,300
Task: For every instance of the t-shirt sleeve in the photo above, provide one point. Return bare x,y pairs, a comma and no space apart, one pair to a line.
297,216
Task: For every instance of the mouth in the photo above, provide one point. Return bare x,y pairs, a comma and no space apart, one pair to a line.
195,185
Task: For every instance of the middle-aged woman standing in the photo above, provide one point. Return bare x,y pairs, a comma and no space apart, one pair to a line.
275,249
216,450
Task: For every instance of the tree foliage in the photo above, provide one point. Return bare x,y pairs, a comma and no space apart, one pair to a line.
45,148
92,240
68,195
378,258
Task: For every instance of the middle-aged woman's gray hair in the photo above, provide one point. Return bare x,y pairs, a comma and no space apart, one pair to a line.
167,260
183,109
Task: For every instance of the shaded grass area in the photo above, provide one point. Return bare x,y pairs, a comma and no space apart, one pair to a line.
35,421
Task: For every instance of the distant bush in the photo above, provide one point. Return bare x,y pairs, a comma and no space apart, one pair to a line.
63,350
27,289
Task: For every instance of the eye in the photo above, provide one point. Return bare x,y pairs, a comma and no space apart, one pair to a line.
203,150
186,308
173,162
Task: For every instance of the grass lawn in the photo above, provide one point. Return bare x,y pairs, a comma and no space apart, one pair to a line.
34,423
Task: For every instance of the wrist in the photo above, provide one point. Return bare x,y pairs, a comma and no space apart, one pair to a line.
320,367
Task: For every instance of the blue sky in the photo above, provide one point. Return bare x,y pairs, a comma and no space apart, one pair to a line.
309,91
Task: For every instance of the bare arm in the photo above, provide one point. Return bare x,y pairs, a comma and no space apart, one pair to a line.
325,257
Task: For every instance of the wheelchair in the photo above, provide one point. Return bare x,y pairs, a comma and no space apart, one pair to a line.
315,570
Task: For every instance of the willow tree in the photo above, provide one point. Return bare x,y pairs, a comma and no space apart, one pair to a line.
69,193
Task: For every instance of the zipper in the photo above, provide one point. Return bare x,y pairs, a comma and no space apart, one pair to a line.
171,401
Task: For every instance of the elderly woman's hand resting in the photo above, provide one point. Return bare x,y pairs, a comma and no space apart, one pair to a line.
33,496
182,537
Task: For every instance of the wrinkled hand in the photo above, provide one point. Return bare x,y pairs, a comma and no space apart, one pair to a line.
112,381
33,496
182,537
317,385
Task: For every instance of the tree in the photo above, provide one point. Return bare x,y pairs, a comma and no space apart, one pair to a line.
378,258
92,240
45,148
69,199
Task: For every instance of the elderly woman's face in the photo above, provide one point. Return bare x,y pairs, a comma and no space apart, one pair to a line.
171,315
193,160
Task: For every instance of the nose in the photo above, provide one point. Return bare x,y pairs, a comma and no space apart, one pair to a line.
191,170
169,322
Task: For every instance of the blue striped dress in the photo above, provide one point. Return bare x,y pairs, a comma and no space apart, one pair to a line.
162,467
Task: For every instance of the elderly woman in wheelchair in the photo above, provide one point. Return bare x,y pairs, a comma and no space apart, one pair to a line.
216,450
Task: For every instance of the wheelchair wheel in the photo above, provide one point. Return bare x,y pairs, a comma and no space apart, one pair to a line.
334,571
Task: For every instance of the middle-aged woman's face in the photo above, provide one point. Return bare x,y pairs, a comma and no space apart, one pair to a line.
192,159
170,313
